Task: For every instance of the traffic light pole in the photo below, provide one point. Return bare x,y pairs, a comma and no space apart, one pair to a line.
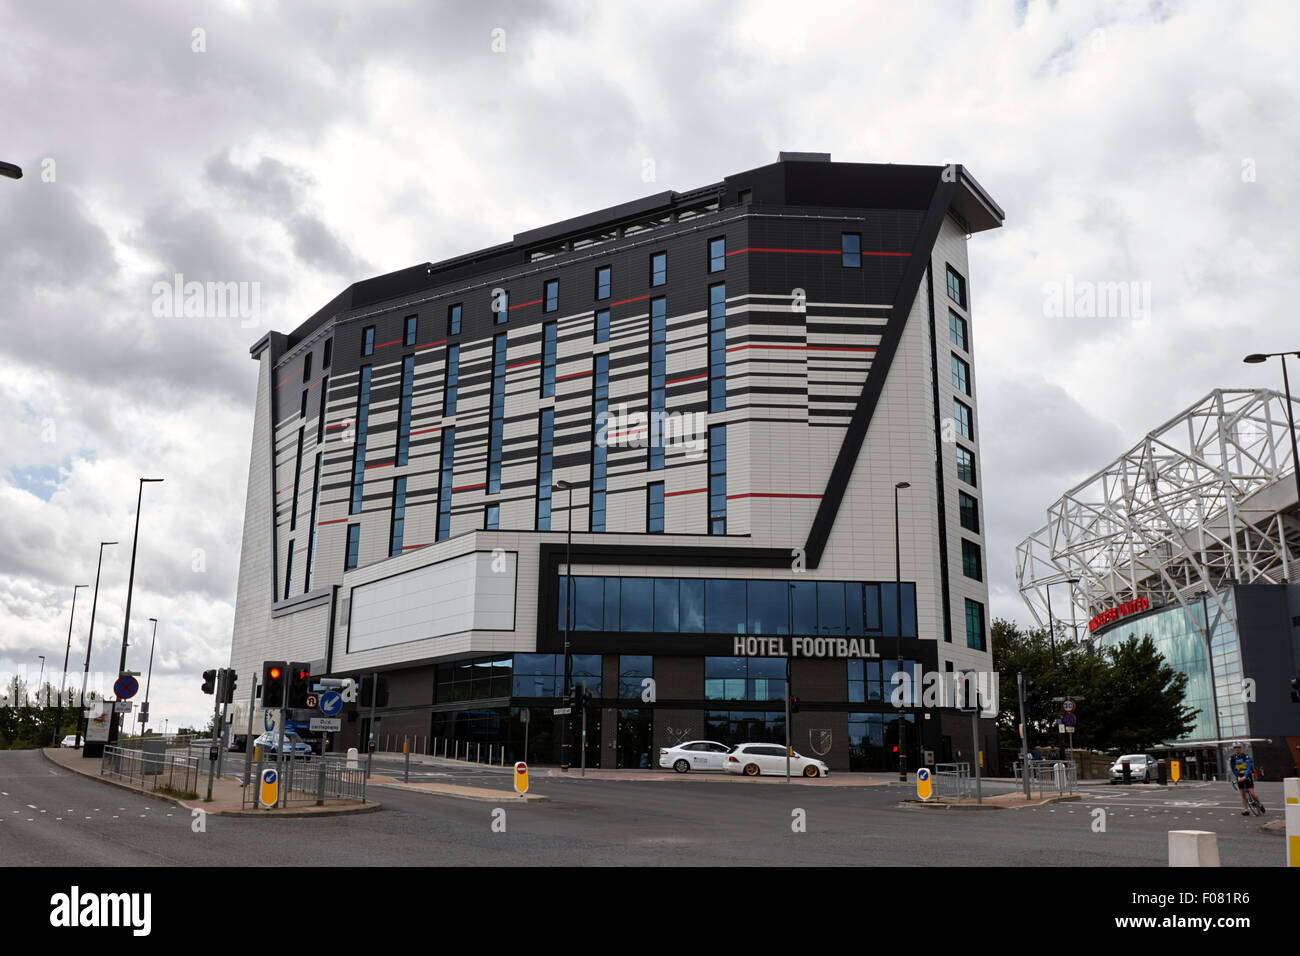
279,750
370,743
248,741
216,711
1024,741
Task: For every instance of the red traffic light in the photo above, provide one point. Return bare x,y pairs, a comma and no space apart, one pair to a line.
275,673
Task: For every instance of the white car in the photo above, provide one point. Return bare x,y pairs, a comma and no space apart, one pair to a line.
694,755
755,759
1140,768
69,741
293,744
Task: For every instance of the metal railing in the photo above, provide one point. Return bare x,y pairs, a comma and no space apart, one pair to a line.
1050,777
309,780
176,770
953,781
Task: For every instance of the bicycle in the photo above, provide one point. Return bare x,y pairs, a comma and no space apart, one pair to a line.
1252,802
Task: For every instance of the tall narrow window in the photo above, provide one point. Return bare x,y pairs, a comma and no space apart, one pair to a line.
491,517
453,319
659,268
551,296
970,512
599,450
965,466
718,347
444,482
658,370
851,250
960,375
501,308
324,404
329,353
957,331
359,437
718,479
398,525
354,547
288,571
974,624
961,414
717,254
602,325
404,410
545,463
654,515
956,287
971,565
496,427
450,378
604,282
306,369
311,532
368,340
408,334
550,336
297,482
302,408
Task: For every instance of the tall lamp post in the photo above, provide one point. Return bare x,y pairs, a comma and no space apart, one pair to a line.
567,488
63,683
898,619
1258,358
1056,680
130,585
90,642
144,729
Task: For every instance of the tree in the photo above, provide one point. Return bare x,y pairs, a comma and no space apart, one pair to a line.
1140,700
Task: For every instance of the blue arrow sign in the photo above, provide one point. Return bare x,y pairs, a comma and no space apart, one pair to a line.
331,703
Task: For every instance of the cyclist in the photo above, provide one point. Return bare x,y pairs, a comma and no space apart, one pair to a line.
1242,770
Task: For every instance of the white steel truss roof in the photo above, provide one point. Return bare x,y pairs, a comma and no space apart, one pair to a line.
1205,500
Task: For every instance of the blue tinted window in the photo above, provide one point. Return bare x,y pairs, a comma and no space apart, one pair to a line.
453,320
724,678
451,380
496,425
853,609
501,308
717,254
599,450
665,610
655,507
404,410
851,250
830,608
551,296
871,608
550,336
368,340
691,606
408,338
359,449
717,348
960,375
724,607
769,607
588,603
718,479
803,607
545,458
658,371
398,519
603,282
613,596
602,325
957,330
636,604
354,547
659,268
492,517
445,469
965,466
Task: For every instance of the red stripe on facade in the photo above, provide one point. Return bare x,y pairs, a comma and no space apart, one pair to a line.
769,494
284,489
339,425
379,464
815,252
425,431
805,348
692,491
384,345
301,550
522,364
523,304
315,383
409,547
331,521
626,301
481,484
686,378
430,345
561,378
290,376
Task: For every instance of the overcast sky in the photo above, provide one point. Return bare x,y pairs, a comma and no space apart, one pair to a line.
305,146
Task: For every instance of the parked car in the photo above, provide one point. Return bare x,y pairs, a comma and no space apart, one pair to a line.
694,755
293,744
1141,768
755,759
69,741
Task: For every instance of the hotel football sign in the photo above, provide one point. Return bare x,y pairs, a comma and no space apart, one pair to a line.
805,647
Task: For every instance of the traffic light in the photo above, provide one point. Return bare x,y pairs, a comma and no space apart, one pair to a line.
210,682
299,683
794,705
372,695
579,694
274,677
228,685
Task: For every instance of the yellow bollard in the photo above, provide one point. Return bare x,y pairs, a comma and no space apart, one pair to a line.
1291,802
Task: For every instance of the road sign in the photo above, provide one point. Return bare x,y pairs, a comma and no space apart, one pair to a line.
331,703
123,706
311,701
126,687
924,787
1175,770
561,711
521,777
1067,706
326,723
270,788
1069,719
268,720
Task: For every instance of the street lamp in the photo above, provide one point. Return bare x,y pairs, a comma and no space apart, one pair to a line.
149,680
1258,358
898,618
130,584
40,680
67,649
1056,680
90,641
567,487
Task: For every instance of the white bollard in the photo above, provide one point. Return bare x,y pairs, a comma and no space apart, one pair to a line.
352,758
1193,848
1291,801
